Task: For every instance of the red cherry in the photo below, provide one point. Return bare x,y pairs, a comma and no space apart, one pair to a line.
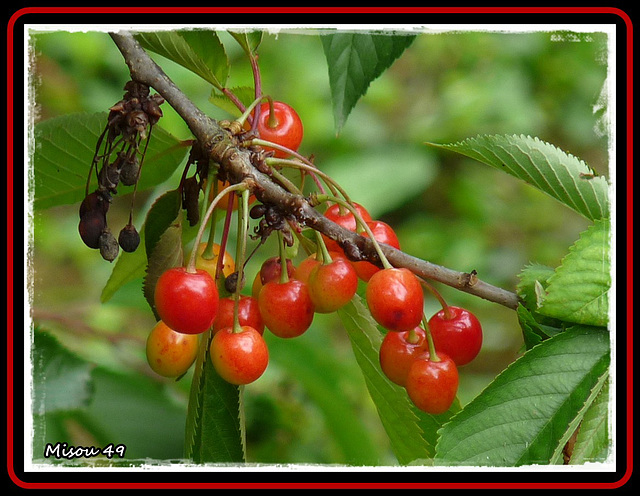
270,271
395,299
397,352
286,308
345,219
459,336
186,301
283,126
383,233
305,267
248,313
432,385
239,357
332,285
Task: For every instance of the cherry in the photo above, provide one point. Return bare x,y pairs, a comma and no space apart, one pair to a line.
344,219
239,357
432,385
210,264
170,353
281,126
186,301
332,285
91,226
248,313
286,307
305,267
270,271
383,233
457,334
395,299
397,352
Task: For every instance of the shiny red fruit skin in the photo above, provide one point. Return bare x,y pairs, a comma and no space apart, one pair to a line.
432,386
186,301
395,299
248,313
332,285
346,220
397,353
270,271
383,233
460,337
239,357
288,131
286,308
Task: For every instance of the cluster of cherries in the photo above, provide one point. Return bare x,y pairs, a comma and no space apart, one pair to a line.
420,355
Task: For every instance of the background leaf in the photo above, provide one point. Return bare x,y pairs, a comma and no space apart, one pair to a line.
556,173
61,380
412,433
578,290
200,51
521,417
354,61
64,151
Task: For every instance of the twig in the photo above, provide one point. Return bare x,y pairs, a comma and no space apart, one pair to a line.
236,163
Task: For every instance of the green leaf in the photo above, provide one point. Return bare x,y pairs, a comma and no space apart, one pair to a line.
522,416
355,60
161,215
63,151
592,441
245,94
556,173
248,40
578,290
167,253
128,267
215,423
61,380
412,433
533,330
200,51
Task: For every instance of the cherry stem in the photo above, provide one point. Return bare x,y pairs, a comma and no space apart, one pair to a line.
432,349
284,273
359,221
322,250
243,230
191,265
412,336
225,235
212,184
434,291
245,115
313,171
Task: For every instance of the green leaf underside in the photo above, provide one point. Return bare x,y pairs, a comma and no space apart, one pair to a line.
200,51
412,433
542,165
522,416
64,149
592,441
578,290
354,60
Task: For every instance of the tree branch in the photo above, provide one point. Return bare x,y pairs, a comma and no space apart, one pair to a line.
235,161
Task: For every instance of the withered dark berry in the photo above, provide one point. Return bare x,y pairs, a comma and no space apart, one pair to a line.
129,171
91,225
108,245
129,238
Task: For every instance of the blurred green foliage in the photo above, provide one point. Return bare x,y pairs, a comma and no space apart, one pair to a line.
446,209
